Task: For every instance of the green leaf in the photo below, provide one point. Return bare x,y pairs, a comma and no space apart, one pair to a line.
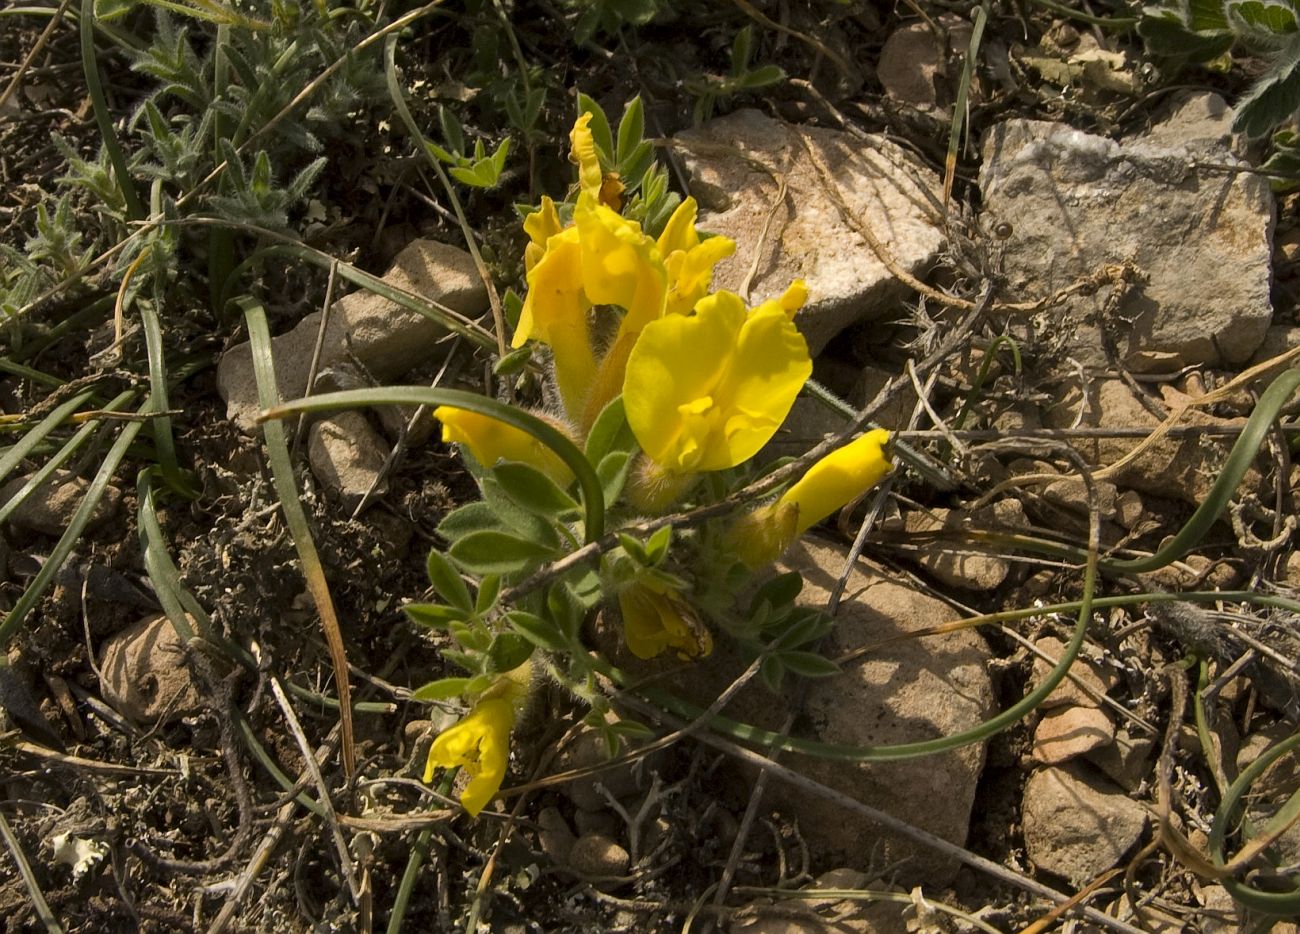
509,650
1273,100
656,546
442,689
446,581
520,521
741,50
632,545
452,134
610,432
566,609
462,660
809,664
599,129
632,729
779,591
533,490
772,672
538,631
513,306
496,553
474,638
489,590
514,361
762,77
499,157
631,130
613,471
632,170
472,517
434,615
801,626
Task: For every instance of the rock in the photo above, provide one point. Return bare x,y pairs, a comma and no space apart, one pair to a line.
1081,686
828,915
586,751
49,508
1071,494
1067,732
1126,761
385,338
1130,511
1075,825
144,674
964,564
1272,789
603,821
1202,239
808,238
906,691
554,836
599,856
347,456
1278,339
897,412
1173,468
910,62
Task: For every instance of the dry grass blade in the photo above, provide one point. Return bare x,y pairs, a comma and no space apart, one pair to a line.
39,903
282,473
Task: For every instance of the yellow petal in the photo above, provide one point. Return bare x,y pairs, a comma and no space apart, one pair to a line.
676,365
653,622
491,440
479,744
540,226
555,312
583,153
838,478
706,391
679,233
620,264
690,272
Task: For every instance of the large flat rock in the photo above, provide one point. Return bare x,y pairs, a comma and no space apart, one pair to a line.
1069,204
731,162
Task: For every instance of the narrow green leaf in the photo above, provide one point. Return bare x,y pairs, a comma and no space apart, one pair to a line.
656,546
496,553
772,672
599,129
762,77
533,490
446,581
809,664
536,630
472,517
780,590
610,432
509,650
631,130
634,548
435,615
442,689
514,361
613,471
489,590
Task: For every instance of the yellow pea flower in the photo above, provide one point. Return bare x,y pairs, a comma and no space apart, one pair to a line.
655,619
541,226
582,153
479,744
555,313
688,260
706,391
491,440
838,478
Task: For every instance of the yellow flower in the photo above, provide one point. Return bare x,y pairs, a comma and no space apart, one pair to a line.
491,440
555,313
479,744
706,391
541,226
582,153
838,478
655,618
689,260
